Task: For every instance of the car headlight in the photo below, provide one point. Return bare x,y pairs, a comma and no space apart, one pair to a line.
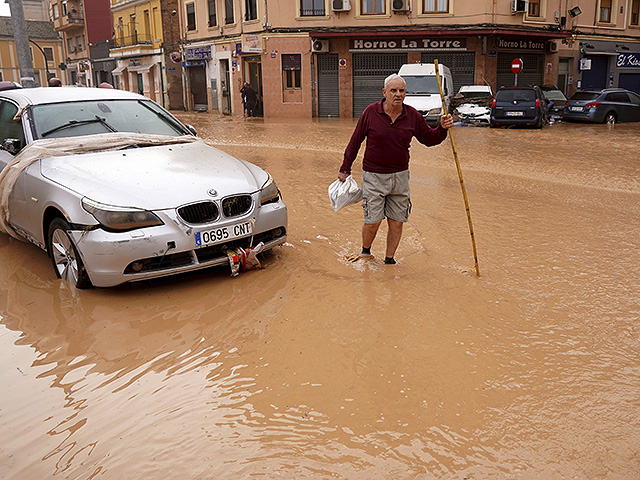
120,219
435,111
269,192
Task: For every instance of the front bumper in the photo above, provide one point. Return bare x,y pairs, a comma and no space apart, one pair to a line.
170,249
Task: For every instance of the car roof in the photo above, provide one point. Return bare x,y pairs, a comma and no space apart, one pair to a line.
44,95
475,88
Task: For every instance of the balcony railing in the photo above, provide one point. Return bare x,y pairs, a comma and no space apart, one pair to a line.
70,20
132,40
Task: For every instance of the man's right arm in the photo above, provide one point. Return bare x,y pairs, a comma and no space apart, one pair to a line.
351,152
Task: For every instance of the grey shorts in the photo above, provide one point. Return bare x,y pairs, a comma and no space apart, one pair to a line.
385,195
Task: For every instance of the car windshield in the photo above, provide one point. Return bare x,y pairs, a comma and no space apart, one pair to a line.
74,119
584,96
421,84
516,96
554,95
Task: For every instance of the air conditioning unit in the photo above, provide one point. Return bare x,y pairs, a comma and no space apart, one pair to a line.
340,5
552,46
319,46
400,5
519,6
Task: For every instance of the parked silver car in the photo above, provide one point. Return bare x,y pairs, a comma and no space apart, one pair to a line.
116,189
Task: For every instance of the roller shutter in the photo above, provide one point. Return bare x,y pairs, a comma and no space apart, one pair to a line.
328,85
462,66
596,77
531,74
369,72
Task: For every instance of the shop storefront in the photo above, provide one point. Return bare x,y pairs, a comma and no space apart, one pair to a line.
141,75
351,68
198,66
609,64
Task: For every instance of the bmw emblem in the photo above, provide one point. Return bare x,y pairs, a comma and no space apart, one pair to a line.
213,192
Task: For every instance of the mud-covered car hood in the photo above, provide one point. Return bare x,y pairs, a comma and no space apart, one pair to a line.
154,178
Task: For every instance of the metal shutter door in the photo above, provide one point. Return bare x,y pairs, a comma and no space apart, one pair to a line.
328,85
462,65
532,72
596,77
369,72
630,81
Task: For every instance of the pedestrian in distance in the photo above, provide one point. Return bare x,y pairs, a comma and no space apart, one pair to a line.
55,82
106,85
389,126
250,100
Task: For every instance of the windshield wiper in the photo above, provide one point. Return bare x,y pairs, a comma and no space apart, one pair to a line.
73,123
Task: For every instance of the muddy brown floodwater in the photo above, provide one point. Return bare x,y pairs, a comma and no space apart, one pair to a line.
319,368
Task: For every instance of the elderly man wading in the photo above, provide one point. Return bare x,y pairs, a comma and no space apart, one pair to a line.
389,126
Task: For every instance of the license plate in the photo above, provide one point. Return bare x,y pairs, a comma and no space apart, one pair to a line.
222,234
514,114
576,109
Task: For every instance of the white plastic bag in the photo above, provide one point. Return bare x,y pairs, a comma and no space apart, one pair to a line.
344,193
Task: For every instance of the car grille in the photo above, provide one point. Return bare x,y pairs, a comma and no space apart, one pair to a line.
203,212
236,206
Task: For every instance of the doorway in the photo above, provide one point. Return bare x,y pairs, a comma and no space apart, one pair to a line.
253,75
225,87
198,83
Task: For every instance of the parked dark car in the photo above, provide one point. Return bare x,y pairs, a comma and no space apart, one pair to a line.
556,100
610,105
519,106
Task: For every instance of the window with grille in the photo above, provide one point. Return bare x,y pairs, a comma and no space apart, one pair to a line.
605,11
292,71
228,12
635,12
373,7
312,8
436,6
191,16
250,10
213,21
48,53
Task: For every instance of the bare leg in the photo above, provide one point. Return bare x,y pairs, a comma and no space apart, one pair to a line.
369,231
393,237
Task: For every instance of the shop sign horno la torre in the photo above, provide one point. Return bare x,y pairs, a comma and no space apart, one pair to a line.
406,44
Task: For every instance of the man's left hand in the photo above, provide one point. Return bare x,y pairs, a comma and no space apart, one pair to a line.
446,121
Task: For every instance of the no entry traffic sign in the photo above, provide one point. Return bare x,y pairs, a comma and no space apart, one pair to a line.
516,65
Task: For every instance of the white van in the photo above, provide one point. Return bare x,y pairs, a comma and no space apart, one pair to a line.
422,89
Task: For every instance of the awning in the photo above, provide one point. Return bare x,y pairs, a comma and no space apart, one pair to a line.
140,68
118,70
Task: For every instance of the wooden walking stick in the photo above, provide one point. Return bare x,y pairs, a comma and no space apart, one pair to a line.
464,191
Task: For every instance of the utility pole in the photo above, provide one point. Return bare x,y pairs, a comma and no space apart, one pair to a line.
22,44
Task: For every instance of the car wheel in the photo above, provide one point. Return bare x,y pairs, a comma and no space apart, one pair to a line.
492,124
610,118
64,255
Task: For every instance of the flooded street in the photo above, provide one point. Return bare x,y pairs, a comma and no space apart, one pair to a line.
318,368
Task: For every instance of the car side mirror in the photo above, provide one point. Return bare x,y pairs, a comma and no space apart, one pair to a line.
192,129
11,145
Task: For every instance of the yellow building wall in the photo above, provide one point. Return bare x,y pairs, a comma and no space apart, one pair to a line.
9,60
151,30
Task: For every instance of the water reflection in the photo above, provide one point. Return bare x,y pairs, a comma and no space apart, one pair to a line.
320,368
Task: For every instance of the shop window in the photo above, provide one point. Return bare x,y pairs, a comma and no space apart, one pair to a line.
250,10
228,12
213,21
635,12
191,16
605,11
48,53
292,71
312,8
534,8
436,6
373,7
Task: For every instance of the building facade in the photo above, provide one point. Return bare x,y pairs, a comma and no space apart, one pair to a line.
308,58
86,30
47,53
137,47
